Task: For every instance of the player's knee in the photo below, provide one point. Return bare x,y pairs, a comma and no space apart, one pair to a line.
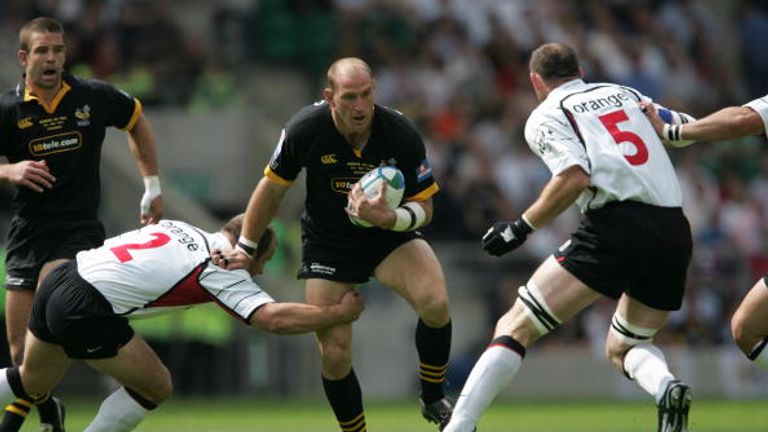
160,390
541,318
336,357
433,309
622,337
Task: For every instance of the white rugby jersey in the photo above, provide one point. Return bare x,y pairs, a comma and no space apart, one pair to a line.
600,128
760,105
166,266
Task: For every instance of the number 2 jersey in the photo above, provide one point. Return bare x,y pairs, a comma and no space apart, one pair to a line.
165,266
601,128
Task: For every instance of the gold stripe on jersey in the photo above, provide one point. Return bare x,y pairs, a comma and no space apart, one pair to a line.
135,116
50,109
276,178
425,194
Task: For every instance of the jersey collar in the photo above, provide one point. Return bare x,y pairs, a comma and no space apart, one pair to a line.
50,109
566,86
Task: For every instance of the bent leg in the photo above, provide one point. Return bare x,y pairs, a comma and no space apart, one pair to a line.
146,383
550,297
413,271
749,324
629,349
340,383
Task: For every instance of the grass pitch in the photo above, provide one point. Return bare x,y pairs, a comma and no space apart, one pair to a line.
235,415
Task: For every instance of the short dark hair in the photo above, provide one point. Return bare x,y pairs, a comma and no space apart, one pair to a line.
554,62
234,227
38,25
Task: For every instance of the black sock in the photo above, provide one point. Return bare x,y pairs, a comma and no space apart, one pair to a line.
434,347
346,401
48,411
15,414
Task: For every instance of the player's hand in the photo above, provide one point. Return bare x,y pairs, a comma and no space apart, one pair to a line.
231,259
151,206
653,115
372,210
352,305
505,236
32,174
151,210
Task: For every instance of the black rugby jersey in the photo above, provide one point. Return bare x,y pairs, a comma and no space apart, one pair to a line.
68,134
311,141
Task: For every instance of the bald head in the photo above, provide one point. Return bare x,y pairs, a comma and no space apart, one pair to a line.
346,68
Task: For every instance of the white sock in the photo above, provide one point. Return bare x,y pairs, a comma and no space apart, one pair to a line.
492,373
761,359
6,392
118,413
646,364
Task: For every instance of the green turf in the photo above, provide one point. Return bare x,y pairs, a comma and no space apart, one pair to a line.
234,415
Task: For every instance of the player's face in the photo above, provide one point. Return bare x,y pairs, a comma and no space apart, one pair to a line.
352,104
44,61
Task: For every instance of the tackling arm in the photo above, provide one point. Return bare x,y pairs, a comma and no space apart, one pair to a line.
291,318
728,123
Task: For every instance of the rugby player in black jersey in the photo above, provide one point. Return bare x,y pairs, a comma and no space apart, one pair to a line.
336,141
52,127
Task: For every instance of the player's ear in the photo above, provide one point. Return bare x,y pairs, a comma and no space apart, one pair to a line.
328,95
21,56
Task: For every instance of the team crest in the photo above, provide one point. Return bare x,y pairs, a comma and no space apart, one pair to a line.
83,116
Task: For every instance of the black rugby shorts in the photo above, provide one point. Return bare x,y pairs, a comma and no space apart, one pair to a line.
70,312
633,248
348,260
34,243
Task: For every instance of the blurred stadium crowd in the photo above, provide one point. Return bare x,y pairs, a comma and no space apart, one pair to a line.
459,69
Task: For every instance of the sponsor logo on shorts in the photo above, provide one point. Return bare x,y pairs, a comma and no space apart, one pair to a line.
322,269
15,281
93,350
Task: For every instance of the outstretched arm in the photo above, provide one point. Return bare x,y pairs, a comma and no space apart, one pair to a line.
728,123
142,143
291,318
559,194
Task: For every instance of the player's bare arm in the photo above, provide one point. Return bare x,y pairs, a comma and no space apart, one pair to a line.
32,174
262,205
727,123
291,318
559,194
142,143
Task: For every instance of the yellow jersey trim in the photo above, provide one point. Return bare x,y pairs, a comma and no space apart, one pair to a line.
50,109
276,178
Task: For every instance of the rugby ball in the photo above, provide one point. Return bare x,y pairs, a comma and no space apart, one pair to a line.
371,182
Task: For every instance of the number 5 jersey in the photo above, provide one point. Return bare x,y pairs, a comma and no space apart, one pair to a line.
601,128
